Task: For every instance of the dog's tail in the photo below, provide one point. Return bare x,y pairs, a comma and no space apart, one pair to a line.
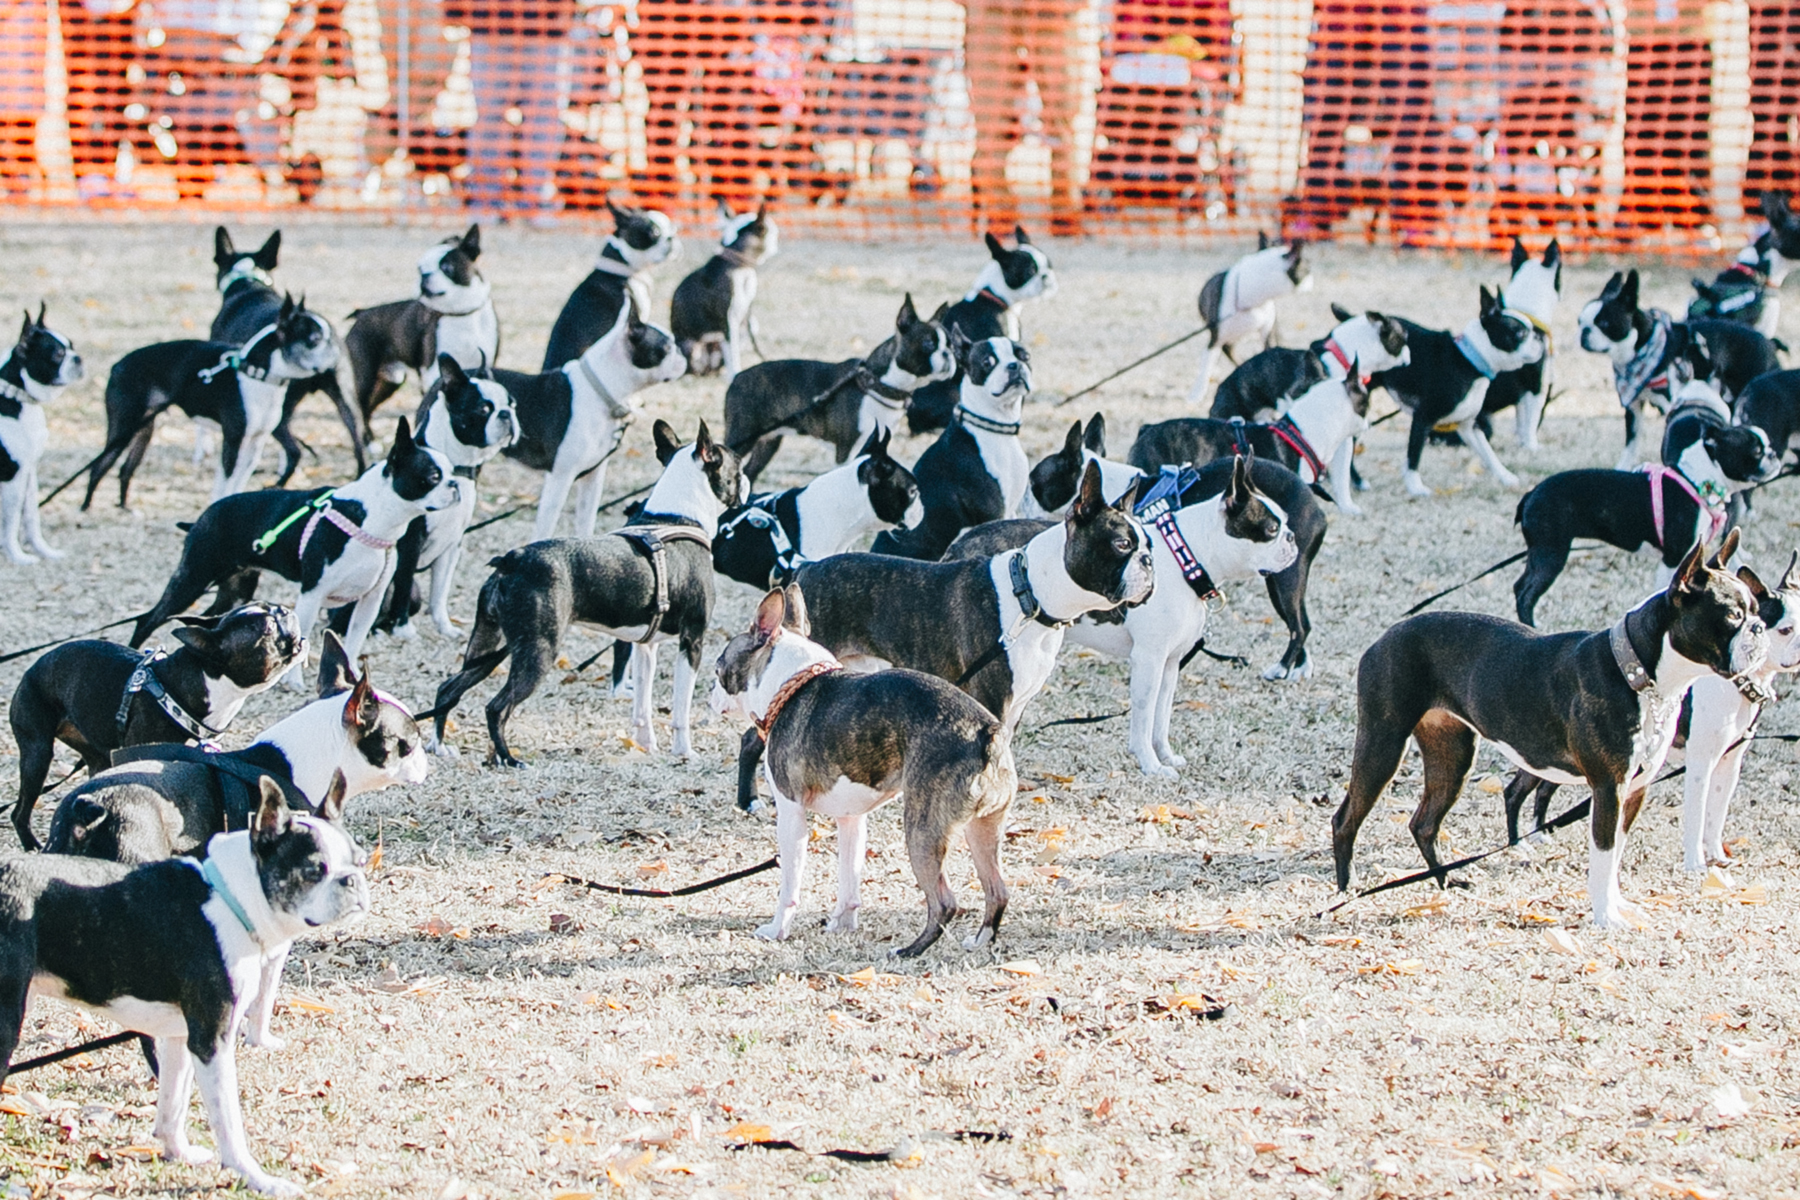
1519,509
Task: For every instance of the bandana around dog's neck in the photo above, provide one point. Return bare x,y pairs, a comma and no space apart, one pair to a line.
1643,370
789,690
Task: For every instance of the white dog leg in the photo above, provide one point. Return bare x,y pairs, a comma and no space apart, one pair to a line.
1165,704
1208,361
174,1084
12,515
853,844
1718,803
1147,666
263,1010
550,505
443,574
681,704
1477,441
790,842
219,1089
643,674
587,500
1342,494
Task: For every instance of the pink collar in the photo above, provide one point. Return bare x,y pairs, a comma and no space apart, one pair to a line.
355,532
1337,352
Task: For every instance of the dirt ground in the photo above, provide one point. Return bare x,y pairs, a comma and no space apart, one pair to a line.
487,1033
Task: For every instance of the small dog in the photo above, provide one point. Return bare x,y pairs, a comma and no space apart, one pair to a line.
240,390
843,745
646,583
1741,292
453,314
1533,292
641,239
248,303
1673,507
1010,279
336,543
1238,304
179,951
1262,387
843,403
1315,438
1447,381
1772,403
1650,353
573,418
1056,478
976,471
41,365
1594,708
96,696
710,311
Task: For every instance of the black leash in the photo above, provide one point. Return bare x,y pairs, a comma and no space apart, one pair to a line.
1428,601
1160,350
1788,473
1088,720
1383,420
6,658
693,889
56,1056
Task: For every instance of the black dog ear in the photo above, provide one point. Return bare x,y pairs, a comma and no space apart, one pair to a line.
1020,236
1340,312
877,445
271,812
451,373
1095,437
1262,240
1613,287
223,248
25,329
1295,248
1752,581
619,215
43,307
707,452
1727,547
403,442
1071,447
1489,306
332,807
794,610
995,246
960,345
1090,501
907,316
1520,255
667,443
1553,257
336,675
471,241
269,252
1629,293
1789,580
198,638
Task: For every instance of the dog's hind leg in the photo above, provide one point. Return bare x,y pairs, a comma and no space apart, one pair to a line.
985,836
790,843
184,587
1710,845
643,678
34,530
1476,440
34,719
233,590
853,844
1447,747
1372,768
1416,437
530,665
1628,458
334,391
761,451
1542,565
174,1085
681,704
750,756
13,500
588,490
927,847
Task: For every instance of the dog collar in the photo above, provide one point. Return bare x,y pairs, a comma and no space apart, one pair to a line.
470,473
1630,665
884,394
1336,351
992,297
790,689
1530,319
143,679
1287,431
736,257
215,879
760,513
613,266
1028,601
987,424
1475,357
614,409
356,532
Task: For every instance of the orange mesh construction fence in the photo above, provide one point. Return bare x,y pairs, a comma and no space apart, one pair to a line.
1612,123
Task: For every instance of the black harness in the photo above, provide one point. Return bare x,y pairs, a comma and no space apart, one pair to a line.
236,782
143,679
652,540
777,516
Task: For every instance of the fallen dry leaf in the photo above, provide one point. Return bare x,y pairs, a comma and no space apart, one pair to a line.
1022,966
302,1004
1561,941
434,926
646,870
1437,904
1492,785
747,1131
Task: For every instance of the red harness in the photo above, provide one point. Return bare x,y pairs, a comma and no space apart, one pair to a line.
1287,431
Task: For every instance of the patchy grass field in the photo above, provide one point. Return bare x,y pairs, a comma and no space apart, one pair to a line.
488,1033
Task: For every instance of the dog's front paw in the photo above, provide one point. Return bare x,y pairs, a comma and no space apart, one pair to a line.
179,1150
1278,671
1170,758
441,749
444,627
842,922
1507,478
1623,915
262,1039
265,1184
981,937
404,633
1350,508
21,558
48,551
1415,486
1157,770
774,931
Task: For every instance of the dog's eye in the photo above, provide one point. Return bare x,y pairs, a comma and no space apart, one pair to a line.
314,872
1124,545
405,748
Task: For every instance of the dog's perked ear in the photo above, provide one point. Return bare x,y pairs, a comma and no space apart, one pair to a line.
943,310
451,372
1393,333
1613,287
362,711
332,806
471,242
1342,313
1356,388
794,608
1020,237
960,346
908,316
403,442
769,616
995,246
877,445
197,634
667,443
1520,255
1071,447
1690,575
271,819
1553,259
269,252
25,329
1262,240
1240,492
1628,295
336,675
1758,590
1789,580
1727,547
1090,500
1489,306
224,250
707,452
1094,438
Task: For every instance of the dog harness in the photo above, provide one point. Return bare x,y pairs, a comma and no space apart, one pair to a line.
653,541
966,418
790,689
236,784
143,679
233,360
1158,508
355,532
1644,371
268,538
764,512
614,409
1285,429
1702,496
1749,287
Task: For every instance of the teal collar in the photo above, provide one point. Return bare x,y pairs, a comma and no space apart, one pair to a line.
215,879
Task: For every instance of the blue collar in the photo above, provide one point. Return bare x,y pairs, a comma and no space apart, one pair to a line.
1474,356
215,879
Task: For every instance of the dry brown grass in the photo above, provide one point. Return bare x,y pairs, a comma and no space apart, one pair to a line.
489,1034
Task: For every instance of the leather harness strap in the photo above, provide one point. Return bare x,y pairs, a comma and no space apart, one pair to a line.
884,394
236,783
143,679
790,689
653,541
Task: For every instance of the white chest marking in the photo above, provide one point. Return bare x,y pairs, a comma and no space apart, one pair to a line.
1005,460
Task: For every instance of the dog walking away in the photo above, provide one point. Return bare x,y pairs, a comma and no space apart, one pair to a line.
1262,387
1595,708
842,403
1237,306
647,583
710,313
842,745
97,696
177,950
41,365
642,238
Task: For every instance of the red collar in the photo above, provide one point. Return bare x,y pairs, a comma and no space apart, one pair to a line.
1336,351
994,296
789,690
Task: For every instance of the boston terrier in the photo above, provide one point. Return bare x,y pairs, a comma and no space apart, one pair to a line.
1683,502
1237,306
1649,351
1056,478
452,314
710,311
1742,291
336,543
1315,438
842,403
178,950
240,389
976,471
1771,402
641,239
646,583
1533,292
764,542
1446,383
842,745
248,304
97,696
1235,533
572,419
468,418
990,309
1594,708
41,365
1261,388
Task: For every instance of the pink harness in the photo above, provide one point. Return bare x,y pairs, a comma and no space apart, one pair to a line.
1658,473
357,534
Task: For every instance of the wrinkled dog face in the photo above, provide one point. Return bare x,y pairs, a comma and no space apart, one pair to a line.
1609,324
253,645
310,869
1000,367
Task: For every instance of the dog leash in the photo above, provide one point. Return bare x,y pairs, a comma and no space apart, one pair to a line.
314,506
1158,352
67,1052
6,658
693,889
1428,601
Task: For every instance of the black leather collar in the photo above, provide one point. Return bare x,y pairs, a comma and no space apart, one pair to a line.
966,418
1028,601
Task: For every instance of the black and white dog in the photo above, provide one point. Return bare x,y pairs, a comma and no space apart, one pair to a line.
1672,507
842,403
1650,353
179,950
1056,478
336,543
764,542
1262,387
238,389
1011,278
469,418
1237,306
96,696
1315,438
710,312
452,314
649,582
1771,402
1741,292
976,471
641,239
1533,292
41,365
1233,533
1595,708
1446,383
572,419
843,744
248,303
